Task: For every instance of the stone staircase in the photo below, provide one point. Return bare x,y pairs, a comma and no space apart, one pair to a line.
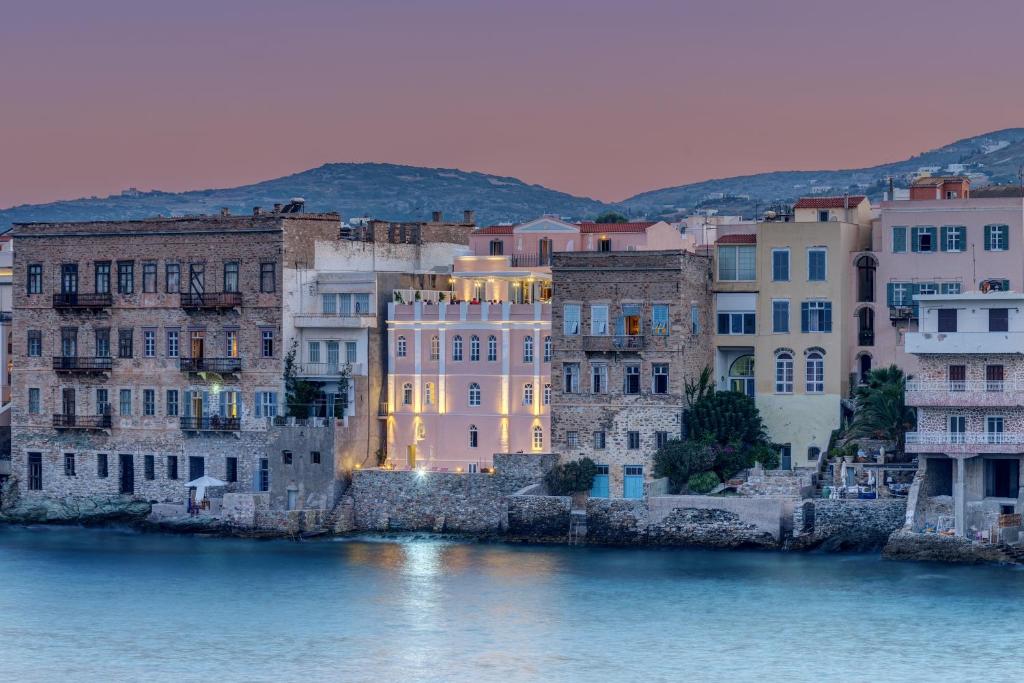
577,526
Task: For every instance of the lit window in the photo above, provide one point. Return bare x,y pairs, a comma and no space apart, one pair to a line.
528,395
538,438
815,373
407,394
474,394
784,373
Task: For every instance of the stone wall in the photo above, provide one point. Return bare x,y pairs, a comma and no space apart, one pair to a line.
525,467
538,518
847,524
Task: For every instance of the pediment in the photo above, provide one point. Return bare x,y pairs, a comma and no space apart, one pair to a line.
546,224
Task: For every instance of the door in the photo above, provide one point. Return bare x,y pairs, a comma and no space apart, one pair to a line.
544,251
410,453
196,279
196,467
197,408
332,356
198,344
127,470
633,482
69,278
786,457
599,489
293,499
68,404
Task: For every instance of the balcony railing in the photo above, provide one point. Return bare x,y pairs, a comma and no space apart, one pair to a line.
81,422
961,386
530,260
213,423
609,343
221,366
328,369
76,300
959,438
382,409
76,364
211,300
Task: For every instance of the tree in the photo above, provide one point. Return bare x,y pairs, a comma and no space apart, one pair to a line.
571,477
679,460
881,409
611,217
697,390
727,416
299,394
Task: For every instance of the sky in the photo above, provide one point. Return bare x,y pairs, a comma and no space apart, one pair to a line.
594,97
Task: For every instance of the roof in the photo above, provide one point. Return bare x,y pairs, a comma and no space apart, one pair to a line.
992,191
742,238
494,230
829,202
585,228
935,180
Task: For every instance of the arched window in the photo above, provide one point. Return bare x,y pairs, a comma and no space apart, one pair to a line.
815,373
866,326
547,394
548,348
492,348
474,348
741,375
784,373
428,394
812,453
435,348
866,278
401,347
457,347
474,394
528,395
864,362
407,394
474,437
528,349
538,438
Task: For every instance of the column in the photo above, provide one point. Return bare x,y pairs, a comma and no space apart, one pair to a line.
959,498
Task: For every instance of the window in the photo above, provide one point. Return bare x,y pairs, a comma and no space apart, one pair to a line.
149,277
264,475
815,383
950,288
268,278
599,378
457,347
957,377
998,319
435,348
900,294
823,215
407,394
784,373
923,239
474,348
231,343
994,429
780,265
528,395
599,441
957,428
149,402
1002,477
548,349
571,321
741,375
33,401
267,347
102,342
69,342
101,465
124,343
947,320
631,379
231,468
125,277
149,343
172,278
400,347
35,471
474,394
780,316
736,262
954,238
659,320
231,276
314,457
286,457
736,323
126,402
816,316
994,377
632,440
604,244
171,402
69,464
34,285
997,237
497,248
492,348
102,401
817,265
474,436
694,319
572,439
899,239
660,439
659,377
149,467
266,404
69,278
35,343
547,394
329,304
538,438
599,320
528,348
571,378
101,281
428,394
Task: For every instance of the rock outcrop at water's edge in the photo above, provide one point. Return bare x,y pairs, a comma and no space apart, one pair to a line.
907,545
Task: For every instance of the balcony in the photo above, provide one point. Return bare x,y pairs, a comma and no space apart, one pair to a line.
85,422
213,423
82,302
382,410
72,364
614,344
529,260
972,393
328,370
965,342
967,443
220,366
334,321
211,301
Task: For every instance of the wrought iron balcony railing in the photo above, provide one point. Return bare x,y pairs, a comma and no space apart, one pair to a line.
194,301
213,423
221,366
81,364
78,300
82,421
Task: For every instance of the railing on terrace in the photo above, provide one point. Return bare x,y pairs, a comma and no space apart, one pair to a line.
409,296
211,300
81,421
77,364
629,342
382,409
328,369
952,438
213,423
993,386
82,300
282,421
530,260
221,366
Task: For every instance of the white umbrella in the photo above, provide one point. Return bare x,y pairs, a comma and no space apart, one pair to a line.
203,483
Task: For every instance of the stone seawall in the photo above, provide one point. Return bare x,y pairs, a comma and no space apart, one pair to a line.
847,524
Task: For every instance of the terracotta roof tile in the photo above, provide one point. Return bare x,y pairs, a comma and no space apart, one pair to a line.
614,227
745,238
494,230
829,202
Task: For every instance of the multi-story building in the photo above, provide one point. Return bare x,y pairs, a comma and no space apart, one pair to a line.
629,328
969,395
782,308
150,352
471,360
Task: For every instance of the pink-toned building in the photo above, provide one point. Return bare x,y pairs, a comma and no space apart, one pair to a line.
469,368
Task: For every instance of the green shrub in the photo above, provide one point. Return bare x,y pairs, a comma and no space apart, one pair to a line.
679,460
727,416
766,454
571,477
704,482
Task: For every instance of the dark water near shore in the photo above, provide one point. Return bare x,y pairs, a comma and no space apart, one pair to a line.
106,605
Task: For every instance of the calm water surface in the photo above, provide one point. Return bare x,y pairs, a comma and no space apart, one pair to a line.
105,605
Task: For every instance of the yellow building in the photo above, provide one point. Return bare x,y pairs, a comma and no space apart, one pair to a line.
783,299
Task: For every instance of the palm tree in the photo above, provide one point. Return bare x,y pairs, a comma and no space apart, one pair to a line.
882,412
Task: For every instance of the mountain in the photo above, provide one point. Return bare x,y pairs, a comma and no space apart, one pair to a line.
386,191
990,158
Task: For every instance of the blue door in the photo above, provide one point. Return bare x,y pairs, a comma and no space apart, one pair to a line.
633,482
599,489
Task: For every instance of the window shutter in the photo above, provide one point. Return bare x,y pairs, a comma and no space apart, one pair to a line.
914,233
890,294
899,240
962,231
828,317
805,316
988,238
915,289
945,236
1006,237
934,232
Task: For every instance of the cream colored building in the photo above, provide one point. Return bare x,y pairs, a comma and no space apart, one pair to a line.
782,305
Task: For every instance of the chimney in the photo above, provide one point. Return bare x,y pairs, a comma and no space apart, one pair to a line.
846,201
892,190
277,208
469,217
436,217
256,211
225,211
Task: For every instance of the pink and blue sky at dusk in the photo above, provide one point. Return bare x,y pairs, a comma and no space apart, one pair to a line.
592,97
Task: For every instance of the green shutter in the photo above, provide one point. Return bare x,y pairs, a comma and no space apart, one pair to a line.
890,294
899,240
934,232
1006,238
944,235
914,233
988,238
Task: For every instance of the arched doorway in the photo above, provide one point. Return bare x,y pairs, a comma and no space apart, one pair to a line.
866,326
864,367
866,279
741,375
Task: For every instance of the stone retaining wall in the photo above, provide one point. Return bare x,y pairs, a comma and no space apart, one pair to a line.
847,524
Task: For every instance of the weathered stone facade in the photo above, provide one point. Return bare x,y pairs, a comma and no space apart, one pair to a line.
618,332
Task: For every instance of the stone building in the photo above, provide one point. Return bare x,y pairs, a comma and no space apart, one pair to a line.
150,352
630,328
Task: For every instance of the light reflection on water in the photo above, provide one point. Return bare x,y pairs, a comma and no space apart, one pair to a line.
104,605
